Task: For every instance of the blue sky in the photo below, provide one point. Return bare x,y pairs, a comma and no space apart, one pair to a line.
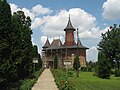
49,18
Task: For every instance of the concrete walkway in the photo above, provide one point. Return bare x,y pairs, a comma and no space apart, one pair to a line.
45,81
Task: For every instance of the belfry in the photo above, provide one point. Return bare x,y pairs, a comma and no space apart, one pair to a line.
65,52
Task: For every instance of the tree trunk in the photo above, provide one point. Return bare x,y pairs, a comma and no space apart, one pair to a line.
77,74
118,65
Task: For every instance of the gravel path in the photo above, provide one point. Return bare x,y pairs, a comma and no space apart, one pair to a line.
45,81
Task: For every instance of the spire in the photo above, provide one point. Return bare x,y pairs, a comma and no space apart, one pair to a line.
69,25
78,39
47,44
79,42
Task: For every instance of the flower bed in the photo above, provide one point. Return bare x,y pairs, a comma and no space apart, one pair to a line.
62,79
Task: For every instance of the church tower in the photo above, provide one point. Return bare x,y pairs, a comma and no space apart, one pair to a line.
69,34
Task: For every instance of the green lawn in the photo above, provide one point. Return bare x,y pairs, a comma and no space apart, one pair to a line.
86,81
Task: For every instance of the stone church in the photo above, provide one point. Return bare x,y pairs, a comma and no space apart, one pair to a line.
65,52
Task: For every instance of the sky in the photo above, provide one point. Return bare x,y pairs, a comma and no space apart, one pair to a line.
50,17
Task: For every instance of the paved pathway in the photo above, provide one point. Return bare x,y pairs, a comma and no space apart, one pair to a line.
45,81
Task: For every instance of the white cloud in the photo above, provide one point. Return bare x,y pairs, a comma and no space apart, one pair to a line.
92,53
111,9
39,9
37,22
34,12
15,8
80,19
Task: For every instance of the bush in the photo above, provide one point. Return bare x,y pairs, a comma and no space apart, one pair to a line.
84,69
61,79
117,72
70,73
89,69
28,83
112,71
104,67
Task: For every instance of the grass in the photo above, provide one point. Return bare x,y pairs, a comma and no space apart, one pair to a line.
86,81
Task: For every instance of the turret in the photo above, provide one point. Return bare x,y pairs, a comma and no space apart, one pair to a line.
69,34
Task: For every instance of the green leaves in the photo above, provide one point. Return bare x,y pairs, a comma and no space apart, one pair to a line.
15,45
109,51
76,64
103,66
110,44
55,62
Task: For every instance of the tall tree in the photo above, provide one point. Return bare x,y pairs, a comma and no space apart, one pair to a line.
26,45
55,62
76,65
21,45
37,55
110,45
5,41
104,68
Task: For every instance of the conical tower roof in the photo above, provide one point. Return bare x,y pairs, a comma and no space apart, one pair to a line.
47,44
69,26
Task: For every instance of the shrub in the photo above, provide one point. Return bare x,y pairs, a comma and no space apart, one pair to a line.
112,71
89,69
61,79
55,62
70,73
104,67
28,83
117,72
84,69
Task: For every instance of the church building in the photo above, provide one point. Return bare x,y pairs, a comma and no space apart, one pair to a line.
65,52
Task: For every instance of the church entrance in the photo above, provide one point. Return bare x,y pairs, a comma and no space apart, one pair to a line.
50,64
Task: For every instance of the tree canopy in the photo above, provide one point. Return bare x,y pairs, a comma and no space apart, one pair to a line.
76,64
16,49
5,41
110,45
104,68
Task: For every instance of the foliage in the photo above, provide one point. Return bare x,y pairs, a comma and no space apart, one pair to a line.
22,45
16,50
110,45
5,42
61,80
84,69
55,62
37,55
76,64
104,69
70,73
27,84
91,65
117,73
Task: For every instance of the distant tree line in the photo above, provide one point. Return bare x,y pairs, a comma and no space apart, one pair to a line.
16,49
